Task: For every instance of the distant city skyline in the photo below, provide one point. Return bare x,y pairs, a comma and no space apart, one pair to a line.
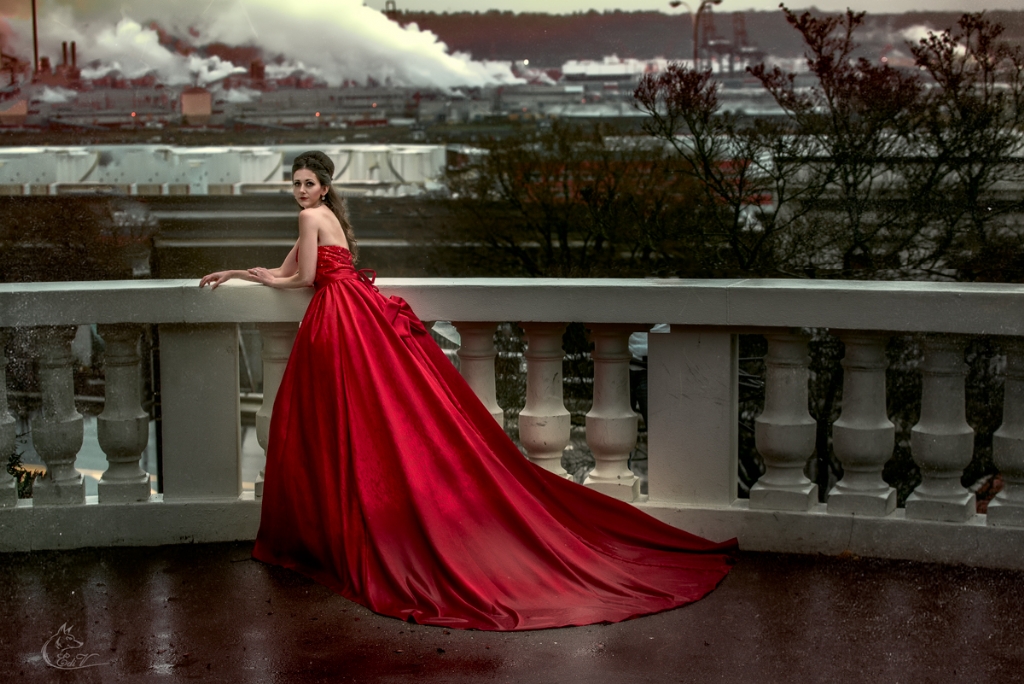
570,6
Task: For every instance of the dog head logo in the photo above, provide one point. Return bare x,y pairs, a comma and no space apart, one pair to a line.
60,651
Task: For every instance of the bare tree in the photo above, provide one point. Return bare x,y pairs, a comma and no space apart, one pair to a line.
751,174
573,201
972,131
872,171
860,119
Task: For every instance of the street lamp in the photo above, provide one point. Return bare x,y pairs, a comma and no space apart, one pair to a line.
695,20
35,41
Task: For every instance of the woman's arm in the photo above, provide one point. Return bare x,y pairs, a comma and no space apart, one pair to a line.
306,250
221,277
289,266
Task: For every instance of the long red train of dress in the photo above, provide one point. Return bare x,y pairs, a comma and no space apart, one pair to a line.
390,483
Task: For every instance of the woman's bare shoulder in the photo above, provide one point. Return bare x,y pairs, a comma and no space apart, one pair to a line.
320,215
326,224
310,215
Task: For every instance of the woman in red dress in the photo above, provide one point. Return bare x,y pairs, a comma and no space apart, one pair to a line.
389,482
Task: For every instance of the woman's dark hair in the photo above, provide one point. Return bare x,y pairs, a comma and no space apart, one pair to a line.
323,168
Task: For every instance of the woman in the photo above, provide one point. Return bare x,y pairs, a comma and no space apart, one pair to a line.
389,482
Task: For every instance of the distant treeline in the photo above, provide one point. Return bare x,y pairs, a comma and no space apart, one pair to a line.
549,40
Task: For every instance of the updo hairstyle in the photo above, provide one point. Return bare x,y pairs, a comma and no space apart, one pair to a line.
323,168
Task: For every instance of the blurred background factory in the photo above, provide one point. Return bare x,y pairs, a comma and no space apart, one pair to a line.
173,131
441,70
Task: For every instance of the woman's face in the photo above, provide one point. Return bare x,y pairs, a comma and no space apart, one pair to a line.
306,188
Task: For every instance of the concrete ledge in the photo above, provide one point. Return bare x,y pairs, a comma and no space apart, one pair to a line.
971,543
968,308
157,523
154,523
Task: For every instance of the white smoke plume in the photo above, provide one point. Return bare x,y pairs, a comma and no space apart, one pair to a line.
134,51
913,34
131,50
55,95
337,40
238,95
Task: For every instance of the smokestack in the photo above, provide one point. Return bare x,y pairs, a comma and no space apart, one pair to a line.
74,61
64,50
35,40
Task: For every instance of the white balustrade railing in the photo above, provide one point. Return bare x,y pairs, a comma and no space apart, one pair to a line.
863,437
785,430
544,422
1007,508
277,346
123,427
611,422
942,442
476,362
58,433
693,400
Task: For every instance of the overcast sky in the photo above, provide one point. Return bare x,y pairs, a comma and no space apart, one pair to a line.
568,6
20,7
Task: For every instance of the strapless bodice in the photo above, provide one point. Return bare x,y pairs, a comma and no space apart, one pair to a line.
333,262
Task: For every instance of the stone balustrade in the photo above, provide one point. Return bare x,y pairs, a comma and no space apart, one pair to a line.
123,427
544,422
693,400
863,437
58,433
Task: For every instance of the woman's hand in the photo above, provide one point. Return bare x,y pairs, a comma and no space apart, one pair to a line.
218,278
262,275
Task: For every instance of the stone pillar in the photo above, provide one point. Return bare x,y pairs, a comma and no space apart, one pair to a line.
476,363
1007,508
863,437
8,485
784,432
57,432
123,427
544,422
201,430
278,339
692,399
942,442
611,422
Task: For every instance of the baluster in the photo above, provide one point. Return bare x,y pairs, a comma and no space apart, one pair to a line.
476,363
611,422
123,427
8,485
544,422
278,339
1007,508
863,437
784,432
57,431
942,442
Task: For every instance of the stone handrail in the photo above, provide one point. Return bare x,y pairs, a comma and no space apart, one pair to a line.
693,399
966,308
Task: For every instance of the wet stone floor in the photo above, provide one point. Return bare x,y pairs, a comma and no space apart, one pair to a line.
210,613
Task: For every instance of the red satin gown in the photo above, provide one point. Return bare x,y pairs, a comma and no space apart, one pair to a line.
390,483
